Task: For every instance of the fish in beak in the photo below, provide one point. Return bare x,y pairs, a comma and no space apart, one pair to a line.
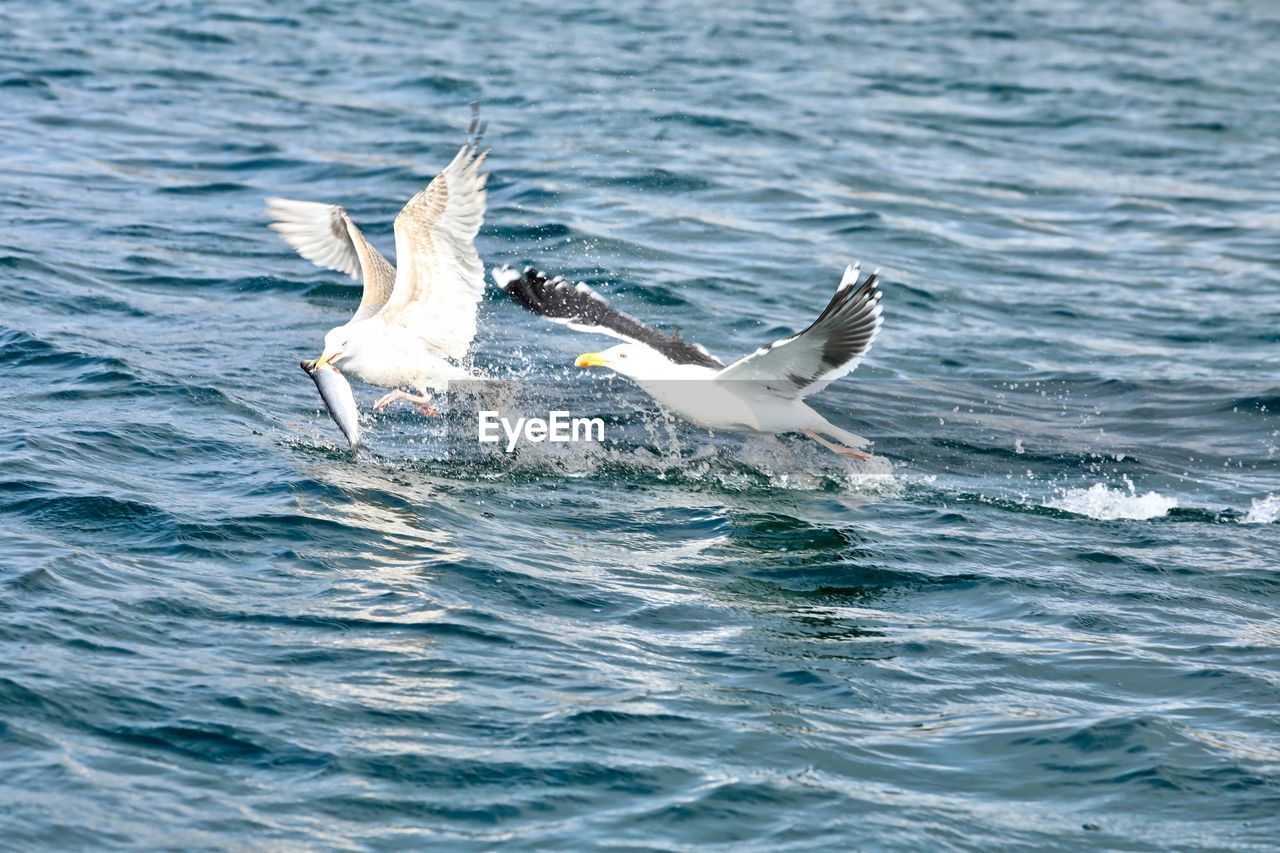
338,398
590,359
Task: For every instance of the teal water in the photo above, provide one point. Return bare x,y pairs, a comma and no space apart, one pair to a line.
1044,616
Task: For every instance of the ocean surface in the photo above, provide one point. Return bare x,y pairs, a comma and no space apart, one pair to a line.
1044,615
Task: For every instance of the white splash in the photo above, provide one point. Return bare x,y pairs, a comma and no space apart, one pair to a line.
1106,504
1264,511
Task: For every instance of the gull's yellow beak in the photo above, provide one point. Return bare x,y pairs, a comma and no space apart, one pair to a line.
325,360
590,359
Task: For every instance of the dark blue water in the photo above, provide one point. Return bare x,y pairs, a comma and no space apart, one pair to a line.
1043,616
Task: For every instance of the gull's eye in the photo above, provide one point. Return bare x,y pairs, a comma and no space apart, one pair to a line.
622,355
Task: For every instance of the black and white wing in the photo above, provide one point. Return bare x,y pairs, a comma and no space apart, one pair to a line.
582,309
832,346
325,235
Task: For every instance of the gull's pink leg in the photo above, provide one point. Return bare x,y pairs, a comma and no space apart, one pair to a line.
421,402
838,449
388,399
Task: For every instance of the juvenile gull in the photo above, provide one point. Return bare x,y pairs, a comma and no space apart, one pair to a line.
761,393
415,322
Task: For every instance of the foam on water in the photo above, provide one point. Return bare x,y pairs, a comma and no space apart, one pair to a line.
1107,504
744,464
1263,511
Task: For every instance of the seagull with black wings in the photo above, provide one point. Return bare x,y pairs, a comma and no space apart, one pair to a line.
760,393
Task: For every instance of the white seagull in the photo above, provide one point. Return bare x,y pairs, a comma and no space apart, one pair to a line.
415,322
760,393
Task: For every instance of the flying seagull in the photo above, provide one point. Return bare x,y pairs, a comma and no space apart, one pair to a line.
415,322
760,393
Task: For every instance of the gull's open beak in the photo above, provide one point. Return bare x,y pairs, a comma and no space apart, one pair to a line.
590,359
324,360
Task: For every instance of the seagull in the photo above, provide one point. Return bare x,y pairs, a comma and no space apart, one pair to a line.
760,393
414,322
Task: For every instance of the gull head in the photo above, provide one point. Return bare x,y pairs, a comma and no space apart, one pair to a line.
337,344
630,360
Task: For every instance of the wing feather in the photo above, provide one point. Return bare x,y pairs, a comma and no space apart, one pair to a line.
325,235
831,347
582,309
439,279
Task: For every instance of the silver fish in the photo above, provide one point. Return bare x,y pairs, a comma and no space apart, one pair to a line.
338,399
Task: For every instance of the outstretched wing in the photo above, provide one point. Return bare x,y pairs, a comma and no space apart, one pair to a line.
439,278
833,345
325,235
582,309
